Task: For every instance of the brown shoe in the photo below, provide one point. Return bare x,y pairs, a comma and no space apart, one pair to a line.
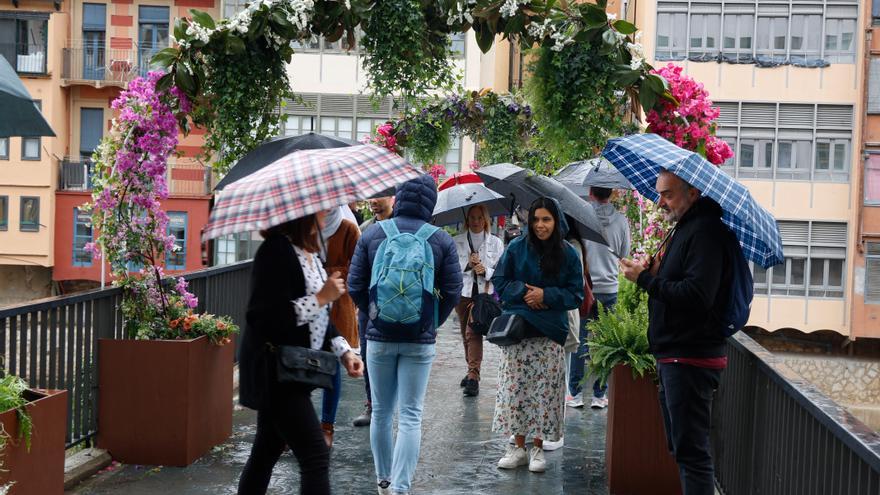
327,429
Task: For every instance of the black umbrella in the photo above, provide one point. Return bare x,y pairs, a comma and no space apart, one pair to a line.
596,172
522,186
21,117
277,148
454,202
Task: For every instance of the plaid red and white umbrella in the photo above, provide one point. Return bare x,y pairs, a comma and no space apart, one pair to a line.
303,183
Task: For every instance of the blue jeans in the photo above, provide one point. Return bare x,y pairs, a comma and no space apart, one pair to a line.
576,370
362,337
400,378
331,398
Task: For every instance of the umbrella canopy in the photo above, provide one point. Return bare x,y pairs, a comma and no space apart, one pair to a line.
459,178
641,157
303,183
595,172
275,149
20,115
454,202
523,187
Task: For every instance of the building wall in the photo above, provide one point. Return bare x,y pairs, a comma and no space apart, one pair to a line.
809,204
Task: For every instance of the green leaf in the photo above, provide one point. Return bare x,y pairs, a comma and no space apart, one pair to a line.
485,38
624,27
203,18
165,82
595,16
627,77
180,29
184,81
235,45
165,57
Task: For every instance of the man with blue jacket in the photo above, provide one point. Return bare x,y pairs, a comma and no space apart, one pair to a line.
399,358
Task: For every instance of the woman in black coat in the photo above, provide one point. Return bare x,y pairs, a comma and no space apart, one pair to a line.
289,305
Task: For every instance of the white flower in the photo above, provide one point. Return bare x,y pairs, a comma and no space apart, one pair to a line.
348,4
636,63
560,39
540,30
509,8
636,50
638,36
611,17
200,33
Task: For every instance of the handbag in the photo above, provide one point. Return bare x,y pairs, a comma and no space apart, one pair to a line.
483,308
304,366
507,329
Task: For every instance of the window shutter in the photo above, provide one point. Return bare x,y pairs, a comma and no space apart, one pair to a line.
794,232
337,105
834,116
365,107
828,234
874,77
796,116
94,16
729,113
758,114
872,274
91,129
308,106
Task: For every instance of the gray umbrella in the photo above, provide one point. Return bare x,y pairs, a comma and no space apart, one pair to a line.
20,115
598,172
523,187
454,202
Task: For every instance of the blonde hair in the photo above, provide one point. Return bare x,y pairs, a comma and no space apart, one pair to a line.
486,217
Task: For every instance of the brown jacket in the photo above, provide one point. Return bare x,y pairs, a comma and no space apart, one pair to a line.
340,249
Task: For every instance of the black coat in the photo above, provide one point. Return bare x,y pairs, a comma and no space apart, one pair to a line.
692,286
276,280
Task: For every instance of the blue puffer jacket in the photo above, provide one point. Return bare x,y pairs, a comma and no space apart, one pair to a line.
413,206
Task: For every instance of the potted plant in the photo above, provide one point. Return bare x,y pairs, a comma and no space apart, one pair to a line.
634,438
166,389
32,438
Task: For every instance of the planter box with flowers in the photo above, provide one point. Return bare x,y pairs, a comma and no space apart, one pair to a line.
165,392
637,459
32,440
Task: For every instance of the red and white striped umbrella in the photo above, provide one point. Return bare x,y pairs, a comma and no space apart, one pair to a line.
303,183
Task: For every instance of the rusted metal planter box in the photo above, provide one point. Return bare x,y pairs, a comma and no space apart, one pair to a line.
40,470
163,402
637,460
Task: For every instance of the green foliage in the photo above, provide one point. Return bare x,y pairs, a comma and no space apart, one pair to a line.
429,138
12,389
407,49
621,336
578,102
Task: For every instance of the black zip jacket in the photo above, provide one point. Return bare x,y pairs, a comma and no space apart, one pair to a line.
692,286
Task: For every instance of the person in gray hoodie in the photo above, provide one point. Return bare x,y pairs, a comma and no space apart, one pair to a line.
602,263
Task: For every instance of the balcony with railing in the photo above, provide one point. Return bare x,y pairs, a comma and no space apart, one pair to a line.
26,58
96,64
184,178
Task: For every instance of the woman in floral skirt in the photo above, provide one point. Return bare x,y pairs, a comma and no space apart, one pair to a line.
539,278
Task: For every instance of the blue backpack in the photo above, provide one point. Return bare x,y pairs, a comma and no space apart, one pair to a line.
402,280
742,288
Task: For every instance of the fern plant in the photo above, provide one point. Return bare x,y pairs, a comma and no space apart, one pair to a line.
12,389
621,336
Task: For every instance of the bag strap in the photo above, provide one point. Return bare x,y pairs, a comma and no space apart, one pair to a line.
425,232
390,228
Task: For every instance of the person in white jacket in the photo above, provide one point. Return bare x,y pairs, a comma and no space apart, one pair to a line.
478,253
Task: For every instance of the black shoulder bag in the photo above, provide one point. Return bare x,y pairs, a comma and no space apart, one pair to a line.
304,366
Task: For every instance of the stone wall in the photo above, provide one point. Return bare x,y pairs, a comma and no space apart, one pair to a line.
23,283
851,382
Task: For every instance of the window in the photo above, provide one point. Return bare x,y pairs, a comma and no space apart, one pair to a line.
457,44
704,32
82,235
152,34
176,259
806,35
29,220
788,141
815,255
770,42
872,270
839,40
91,122
24,40
4,148
297,125
337,126
738,30
93,36
875,12
367,126
872,179
30,148
4,212
231,8
671,36
452,160
237,247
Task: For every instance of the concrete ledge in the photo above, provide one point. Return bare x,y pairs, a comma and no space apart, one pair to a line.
84,464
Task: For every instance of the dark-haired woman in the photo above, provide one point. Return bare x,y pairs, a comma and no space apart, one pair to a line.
539,278
289,305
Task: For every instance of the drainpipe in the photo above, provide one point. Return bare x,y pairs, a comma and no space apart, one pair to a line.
860,187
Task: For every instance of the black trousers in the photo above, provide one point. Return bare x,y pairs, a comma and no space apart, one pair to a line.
686,402
289,420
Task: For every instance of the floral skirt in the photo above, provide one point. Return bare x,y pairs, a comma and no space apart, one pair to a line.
531,390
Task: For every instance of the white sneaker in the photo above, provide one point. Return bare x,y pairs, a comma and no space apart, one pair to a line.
512,440
384,487
551,446
576,401
599,403
513,458
537,464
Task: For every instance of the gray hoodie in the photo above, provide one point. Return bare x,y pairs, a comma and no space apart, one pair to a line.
602,263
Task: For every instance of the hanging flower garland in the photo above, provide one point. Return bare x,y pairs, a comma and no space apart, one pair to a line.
688,120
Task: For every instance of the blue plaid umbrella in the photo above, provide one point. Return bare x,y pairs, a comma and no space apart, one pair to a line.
641,157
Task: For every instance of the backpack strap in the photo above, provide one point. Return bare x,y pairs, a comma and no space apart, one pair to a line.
425,232
389,227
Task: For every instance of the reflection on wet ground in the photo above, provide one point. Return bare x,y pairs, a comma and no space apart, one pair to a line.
458,456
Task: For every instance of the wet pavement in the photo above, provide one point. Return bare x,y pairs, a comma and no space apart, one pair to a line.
459,451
